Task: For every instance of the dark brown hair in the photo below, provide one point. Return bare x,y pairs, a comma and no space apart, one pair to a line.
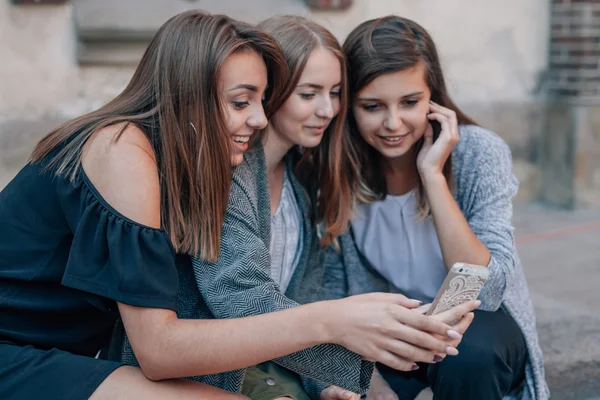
331,163
381,46
174,98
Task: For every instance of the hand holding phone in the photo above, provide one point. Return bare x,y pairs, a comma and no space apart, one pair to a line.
463,283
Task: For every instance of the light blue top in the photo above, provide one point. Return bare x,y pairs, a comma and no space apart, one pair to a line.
404,249
286,236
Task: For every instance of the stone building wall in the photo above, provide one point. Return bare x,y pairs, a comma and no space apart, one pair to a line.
495,54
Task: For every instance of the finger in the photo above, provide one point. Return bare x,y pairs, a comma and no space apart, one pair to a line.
464,323
424,308
456,313
425,323
395,362
443,120
337,393
450,114
410,352
435,107
428,136
420,338
398,299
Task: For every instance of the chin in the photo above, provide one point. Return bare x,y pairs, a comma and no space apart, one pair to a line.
396,153
312,141
237,159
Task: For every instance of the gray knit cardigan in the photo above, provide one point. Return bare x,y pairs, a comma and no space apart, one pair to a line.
484,188
239,284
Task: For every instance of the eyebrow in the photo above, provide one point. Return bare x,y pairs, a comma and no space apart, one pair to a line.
251,88
315,86
375,99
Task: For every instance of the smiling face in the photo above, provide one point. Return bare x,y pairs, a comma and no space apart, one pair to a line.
391,111
305,115
243,80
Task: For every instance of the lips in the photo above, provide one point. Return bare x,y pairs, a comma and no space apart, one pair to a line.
317,129
395,140
241,139
241,142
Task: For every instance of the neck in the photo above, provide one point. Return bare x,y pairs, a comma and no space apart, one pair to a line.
275,149
401,174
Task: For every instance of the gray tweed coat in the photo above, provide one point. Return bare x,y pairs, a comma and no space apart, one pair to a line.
485,186
238,284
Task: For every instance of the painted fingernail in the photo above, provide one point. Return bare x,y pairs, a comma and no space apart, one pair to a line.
452,334
437,358
414,367
451,351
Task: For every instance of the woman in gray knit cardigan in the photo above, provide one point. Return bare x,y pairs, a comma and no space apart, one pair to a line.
438,190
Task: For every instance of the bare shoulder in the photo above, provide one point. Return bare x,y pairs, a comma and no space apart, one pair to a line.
124,172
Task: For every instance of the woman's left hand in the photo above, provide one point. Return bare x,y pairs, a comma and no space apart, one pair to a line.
433,156
337,393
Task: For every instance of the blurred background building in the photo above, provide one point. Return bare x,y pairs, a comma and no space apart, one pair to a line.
526,69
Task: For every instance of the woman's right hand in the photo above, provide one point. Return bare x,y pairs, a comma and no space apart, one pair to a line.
381,327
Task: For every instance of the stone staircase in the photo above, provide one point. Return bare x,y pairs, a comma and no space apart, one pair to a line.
116,32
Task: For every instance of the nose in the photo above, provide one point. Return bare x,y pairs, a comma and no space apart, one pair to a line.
325,108
258,119
392,121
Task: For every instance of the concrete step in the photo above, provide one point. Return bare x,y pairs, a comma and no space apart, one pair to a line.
117,32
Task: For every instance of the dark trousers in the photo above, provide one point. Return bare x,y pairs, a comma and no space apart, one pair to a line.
490,363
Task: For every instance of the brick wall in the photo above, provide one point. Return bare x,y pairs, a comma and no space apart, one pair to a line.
575,50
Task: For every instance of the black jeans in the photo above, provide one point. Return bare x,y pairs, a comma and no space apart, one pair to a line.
490,363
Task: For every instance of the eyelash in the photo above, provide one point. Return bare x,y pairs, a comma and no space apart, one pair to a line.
308,96
370,107
240,105
374,107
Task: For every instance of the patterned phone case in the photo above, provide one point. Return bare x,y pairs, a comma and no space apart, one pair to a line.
463,283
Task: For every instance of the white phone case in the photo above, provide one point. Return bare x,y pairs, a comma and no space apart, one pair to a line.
463,283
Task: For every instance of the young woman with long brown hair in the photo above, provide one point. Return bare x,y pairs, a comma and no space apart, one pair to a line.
245,280
436,190
91,226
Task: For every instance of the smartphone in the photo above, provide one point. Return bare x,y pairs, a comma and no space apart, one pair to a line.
463,283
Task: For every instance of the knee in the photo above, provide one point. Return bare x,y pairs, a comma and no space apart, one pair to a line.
474,361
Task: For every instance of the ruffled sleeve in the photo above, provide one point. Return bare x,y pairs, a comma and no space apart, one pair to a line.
115,257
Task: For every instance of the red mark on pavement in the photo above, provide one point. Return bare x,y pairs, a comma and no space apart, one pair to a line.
558,233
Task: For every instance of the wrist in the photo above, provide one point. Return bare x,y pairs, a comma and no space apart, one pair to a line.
432,178
323,322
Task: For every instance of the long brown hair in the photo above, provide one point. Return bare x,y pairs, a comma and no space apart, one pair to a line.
381,46
332,162
174,98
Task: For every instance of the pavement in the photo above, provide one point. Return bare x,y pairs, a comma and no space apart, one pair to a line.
560,251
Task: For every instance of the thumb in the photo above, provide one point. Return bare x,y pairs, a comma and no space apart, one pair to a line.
336,393
401,300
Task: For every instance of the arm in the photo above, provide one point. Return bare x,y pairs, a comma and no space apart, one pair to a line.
238,284
125,174
488,209
168,347
483,235
457,240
